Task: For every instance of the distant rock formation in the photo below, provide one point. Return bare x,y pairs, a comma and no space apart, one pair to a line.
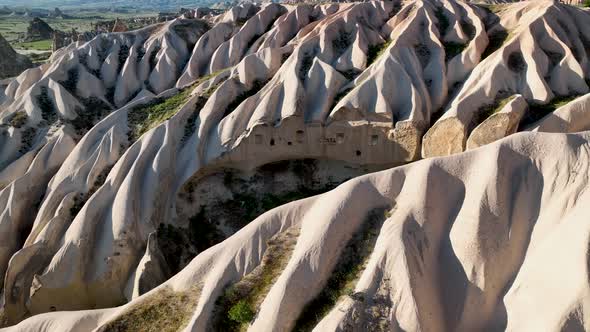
12,63
57,13
38,30
119,26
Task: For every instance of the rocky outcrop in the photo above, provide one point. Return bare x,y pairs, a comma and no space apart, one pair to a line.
503,122
535,49
38,30
12,63
415,270
119,26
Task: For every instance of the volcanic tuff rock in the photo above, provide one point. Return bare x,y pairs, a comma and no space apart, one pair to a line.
38,30
102,144
12,63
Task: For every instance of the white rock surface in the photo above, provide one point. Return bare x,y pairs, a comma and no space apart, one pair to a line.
81,193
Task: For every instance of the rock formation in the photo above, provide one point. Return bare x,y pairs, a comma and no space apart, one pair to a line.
12,63
110,148
38,30
119,26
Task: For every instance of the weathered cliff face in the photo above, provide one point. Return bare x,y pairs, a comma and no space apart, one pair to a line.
12,63
541,53
101,145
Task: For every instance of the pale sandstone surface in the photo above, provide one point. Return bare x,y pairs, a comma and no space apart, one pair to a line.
361,83
519,201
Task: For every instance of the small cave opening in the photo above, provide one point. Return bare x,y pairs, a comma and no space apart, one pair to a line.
374,140
358,153
272,142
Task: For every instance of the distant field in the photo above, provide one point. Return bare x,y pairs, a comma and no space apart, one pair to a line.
41,45
12,27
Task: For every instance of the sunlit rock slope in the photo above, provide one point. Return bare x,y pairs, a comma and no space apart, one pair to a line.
100,150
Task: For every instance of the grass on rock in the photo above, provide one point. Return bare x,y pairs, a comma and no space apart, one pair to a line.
145,117
443,21
19,119
40,45
163,311
351,263
375,51
239,303
538,111
488,110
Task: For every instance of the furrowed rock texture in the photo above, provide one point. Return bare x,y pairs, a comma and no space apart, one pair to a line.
12,63
440,227
540,51
97,144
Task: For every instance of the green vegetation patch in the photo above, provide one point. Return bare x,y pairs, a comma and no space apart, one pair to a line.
488,110
349,267
375,51
495,8
18,119
39,57
163,311
3,319
95,109
538,111
145,117
48,112
239,303
40,45
27,138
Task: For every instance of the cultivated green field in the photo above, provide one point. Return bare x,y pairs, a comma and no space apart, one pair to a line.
41,45
13,27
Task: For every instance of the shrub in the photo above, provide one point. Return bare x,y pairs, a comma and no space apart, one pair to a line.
241,312
19,119
145,117
538,111
164,311
375,51
48,112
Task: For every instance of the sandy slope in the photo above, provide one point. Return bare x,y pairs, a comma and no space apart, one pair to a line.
82,188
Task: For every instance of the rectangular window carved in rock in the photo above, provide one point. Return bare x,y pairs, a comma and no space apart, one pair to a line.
374,140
